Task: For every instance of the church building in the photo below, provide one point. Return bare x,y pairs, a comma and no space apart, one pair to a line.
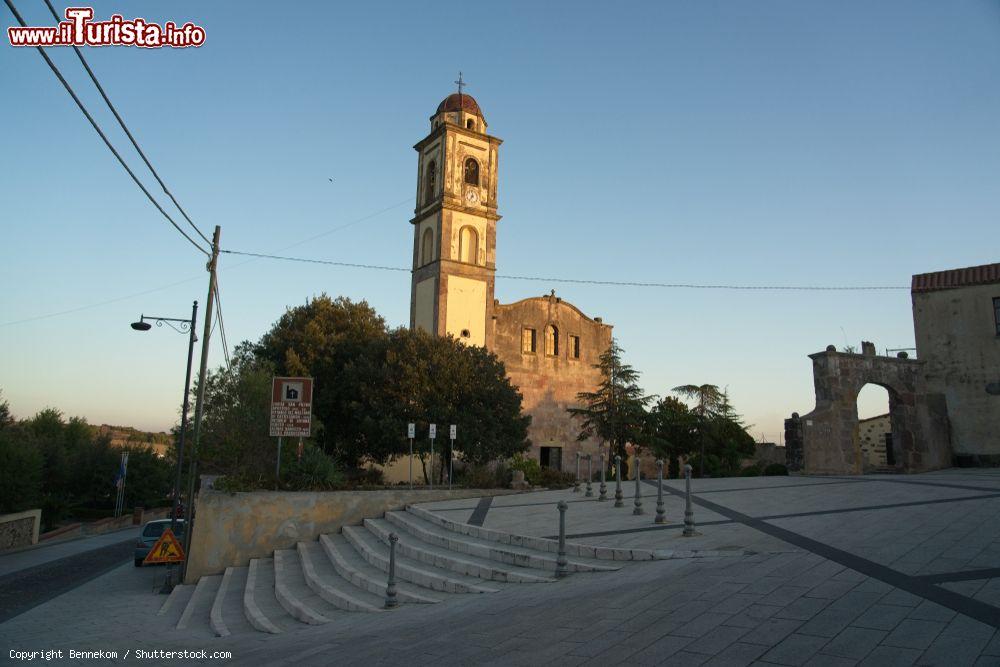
548,346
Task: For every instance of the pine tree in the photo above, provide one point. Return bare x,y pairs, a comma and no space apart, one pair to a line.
615,413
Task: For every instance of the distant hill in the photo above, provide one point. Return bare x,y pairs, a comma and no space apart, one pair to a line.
127,436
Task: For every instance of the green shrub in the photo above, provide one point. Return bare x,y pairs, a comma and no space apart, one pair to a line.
555,479
485,476
315,471
531,468
775,469
751,471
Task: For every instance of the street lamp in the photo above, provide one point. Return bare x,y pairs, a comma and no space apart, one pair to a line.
180,326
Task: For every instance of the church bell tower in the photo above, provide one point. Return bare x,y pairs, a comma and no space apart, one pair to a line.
454,226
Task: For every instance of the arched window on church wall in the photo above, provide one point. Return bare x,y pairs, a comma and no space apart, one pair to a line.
471,171
468,245
427,247
430,182
552,340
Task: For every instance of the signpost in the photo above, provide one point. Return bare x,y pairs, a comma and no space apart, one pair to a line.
291,410
411,433
451,454
433,433
166,550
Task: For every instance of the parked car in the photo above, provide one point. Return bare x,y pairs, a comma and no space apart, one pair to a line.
152,532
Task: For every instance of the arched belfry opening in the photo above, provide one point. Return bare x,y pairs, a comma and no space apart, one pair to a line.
874,428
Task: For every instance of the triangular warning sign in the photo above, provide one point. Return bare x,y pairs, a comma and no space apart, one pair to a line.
166,550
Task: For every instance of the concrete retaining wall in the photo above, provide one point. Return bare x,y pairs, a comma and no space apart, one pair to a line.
232,528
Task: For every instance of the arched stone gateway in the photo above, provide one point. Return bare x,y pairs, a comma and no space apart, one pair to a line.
830,441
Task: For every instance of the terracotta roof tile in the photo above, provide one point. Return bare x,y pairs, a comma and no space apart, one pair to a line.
940,280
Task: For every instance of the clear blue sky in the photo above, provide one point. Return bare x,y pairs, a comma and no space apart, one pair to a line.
827,143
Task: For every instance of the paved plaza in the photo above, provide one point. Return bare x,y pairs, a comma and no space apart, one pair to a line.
875,570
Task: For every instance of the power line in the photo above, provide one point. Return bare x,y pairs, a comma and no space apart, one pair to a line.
69,89
584,281
121,122
222,325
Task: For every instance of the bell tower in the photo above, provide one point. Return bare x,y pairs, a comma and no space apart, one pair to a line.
454,226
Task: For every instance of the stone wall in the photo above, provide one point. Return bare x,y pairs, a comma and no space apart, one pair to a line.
871,436
19,529
957,340
548,382
793,443
232,528
918,418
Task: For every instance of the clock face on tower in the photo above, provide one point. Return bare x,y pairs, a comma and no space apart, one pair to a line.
471,196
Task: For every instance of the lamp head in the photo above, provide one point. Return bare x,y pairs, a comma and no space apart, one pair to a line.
142,326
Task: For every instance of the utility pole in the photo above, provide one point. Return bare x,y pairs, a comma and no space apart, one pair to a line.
199,405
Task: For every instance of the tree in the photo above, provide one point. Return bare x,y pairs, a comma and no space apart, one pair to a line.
6,419
615,413
21,468
707,397
673,432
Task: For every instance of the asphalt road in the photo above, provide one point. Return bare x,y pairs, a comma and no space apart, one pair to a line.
30,587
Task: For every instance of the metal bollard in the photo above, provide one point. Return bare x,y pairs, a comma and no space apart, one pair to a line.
689,530
390,589
562,565
576,482
638,491
590,475
604,487
661,513
619,496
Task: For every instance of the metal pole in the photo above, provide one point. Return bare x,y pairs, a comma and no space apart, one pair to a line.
604,486
638,491
661,513
562,564
619,496
168,584
689,530
590,475
451,462
277,465
199,405
411,464
576,480
432,464
390,589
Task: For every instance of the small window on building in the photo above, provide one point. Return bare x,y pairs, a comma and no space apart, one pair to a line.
552,341
574,347
528,341
471,171
430,182
996,313
466,333
471,124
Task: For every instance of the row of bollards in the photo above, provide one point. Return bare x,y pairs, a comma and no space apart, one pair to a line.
661,515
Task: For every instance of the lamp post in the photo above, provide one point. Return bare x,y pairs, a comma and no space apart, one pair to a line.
181,326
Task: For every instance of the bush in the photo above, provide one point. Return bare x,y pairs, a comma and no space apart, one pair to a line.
555,479
485,476
751,471
315,471
775,469
531,468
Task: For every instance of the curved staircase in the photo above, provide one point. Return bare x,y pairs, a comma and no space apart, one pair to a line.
319,582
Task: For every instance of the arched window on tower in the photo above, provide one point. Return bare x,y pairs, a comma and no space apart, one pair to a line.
427,247
471,171
430,182
468,245
552,340
470,124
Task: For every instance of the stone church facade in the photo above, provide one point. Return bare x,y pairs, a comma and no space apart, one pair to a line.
548,345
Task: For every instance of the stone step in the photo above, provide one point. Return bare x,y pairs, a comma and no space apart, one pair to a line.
377,555
537,543
196,611
350,565
511,555
174,605
323,579
260,605
227,617
474,566
293,592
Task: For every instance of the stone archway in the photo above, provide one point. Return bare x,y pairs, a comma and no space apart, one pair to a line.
919,419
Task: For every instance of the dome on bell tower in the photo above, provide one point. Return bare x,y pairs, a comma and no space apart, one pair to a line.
460,102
